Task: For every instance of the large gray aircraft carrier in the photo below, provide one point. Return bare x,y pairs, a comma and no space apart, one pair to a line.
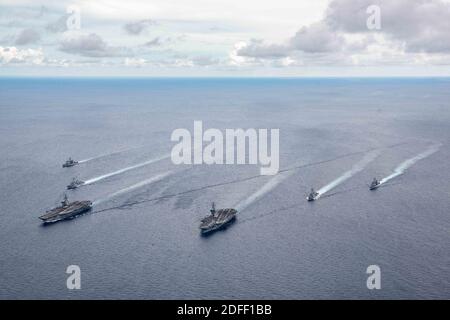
218,219
66,210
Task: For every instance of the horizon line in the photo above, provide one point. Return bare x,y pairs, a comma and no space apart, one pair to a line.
222,77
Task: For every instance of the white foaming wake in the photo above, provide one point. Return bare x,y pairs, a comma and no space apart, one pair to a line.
266,188
88,159
125,170
154,179
408,163
359,166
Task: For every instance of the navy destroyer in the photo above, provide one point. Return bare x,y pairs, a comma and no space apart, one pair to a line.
313,195
75,184
375,184
217,219
69,163
66,210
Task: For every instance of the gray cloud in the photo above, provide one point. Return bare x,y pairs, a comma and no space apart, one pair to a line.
137,27
164,41
204,61
59,25
156,42
316,38
421,25
90,45
258,49
411,26
27,36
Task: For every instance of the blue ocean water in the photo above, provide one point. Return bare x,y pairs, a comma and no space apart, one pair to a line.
280,247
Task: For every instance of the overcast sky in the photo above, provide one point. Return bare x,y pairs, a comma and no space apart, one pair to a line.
225,38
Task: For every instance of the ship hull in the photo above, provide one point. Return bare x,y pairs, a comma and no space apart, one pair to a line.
60,214
313,196
66,216
73,187
221,226
68,165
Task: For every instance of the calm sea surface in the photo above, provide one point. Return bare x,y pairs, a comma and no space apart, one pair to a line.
280,247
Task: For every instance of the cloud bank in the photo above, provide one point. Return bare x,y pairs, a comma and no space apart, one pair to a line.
228,36
410,28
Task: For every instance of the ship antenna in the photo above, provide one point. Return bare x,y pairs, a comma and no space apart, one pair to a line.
65,201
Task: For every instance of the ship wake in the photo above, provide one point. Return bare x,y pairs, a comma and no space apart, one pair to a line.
266,188
408,163
111,174
359,166
138,185
89,159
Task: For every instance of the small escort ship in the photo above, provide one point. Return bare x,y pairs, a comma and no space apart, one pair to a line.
69,163
66,210
218,219
75,184
313,195
375,184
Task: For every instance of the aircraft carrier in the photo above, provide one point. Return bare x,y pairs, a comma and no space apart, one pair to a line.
66,210
218,219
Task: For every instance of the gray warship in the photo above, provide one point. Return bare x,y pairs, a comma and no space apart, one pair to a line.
218,219
313,195
69,163
75,184
375,184
66,210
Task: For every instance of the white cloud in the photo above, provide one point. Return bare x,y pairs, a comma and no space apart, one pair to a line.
135,62
13,55
236,59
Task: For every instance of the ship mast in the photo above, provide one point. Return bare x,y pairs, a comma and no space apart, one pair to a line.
65,202
213,209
